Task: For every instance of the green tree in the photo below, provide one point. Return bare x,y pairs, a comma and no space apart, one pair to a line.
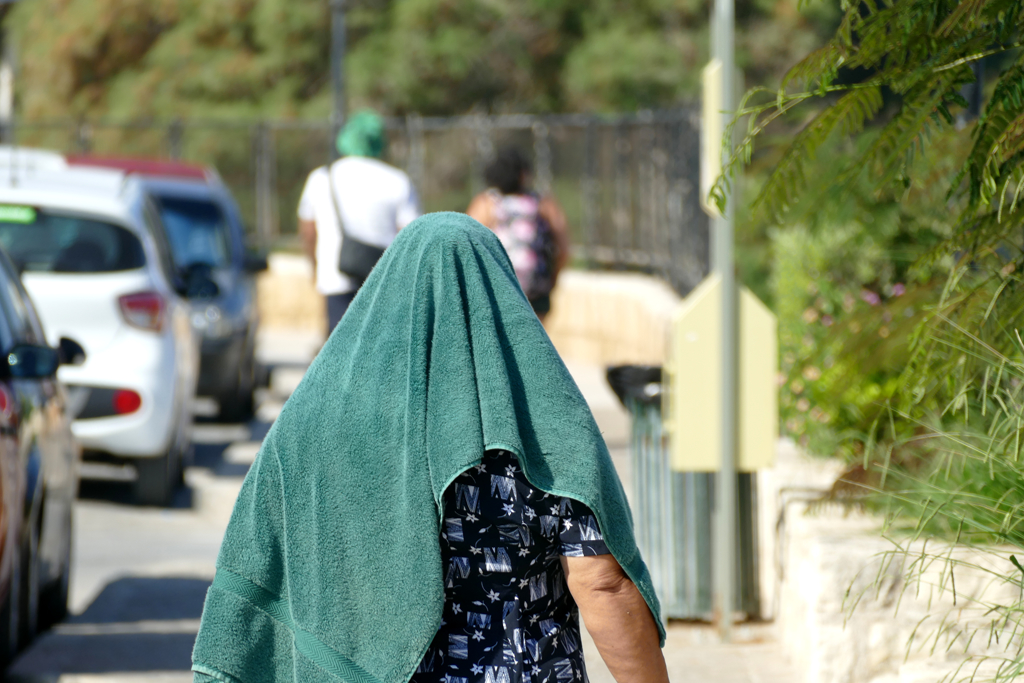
920,51
944,451
892,75
137,59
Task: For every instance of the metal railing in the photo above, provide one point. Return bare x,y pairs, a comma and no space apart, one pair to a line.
628,183
673,516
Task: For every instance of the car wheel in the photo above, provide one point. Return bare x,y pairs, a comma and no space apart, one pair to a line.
187,459
10,613
237,408
238,405
156,479
30,589
53,601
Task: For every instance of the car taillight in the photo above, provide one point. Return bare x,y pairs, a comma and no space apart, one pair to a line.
144,310
126,401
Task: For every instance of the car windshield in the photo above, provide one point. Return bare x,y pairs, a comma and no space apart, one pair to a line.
42,241
197,231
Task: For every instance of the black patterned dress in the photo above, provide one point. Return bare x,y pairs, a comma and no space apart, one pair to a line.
508,617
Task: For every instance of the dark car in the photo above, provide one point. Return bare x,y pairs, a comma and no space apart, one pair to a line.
207,241
39,466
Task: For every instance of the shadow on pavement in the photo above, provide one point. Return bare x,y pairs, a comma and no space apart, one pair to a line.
136,624
142,598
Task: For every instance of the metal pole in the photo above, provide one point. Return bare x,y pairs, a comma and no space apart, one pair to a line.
175,132
337,69
259,177
588,195
416,162
266,185
622,216
724,586
84,137
6,89
542,157
483,153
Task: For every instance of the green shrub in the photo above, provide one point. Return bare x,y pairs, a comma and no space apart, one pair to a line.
848,299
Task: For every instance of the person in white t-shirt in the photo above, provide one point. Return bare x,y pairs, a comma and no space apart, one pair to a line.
375,200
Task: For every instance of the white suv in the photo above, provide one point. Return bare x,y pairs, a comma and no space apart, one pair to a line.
89,245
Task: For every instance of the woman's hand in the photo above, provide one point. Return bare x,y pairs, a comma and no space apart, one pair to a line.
617,617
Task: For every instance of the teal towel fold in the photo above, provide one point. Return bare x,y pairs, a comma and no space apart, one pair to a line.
330,568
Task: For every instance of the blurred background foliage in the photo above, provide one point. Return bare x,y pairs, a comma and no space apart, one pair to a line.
852,273
890,215
142,59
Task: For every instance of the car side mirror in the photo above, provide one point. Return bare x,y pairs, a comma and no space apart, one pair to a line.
199,283
71,352
28,361
254,263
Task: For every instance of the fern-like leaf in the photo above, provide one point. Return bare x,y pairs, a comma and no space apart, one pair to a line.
966,14
846,117
821,66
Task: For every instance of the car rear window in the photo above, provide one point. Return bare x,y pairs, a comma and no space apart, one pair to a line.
196,230
40,241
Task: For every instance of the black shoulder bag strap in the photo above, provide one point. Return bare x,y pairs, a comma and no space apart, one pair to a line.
356,258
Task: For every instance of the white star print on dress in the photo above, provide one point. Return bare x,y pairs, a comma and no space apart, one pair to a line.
502,560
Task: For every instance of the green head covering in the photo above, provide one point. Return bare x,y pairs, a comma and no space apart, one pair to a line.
362,136
331,565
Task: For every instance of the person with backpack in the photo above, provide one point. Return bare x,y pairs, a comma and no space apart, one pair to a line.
532,228
351,210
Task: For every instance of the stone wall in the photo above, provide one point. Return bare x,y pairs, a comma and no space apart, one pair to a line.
597,317
846,612
608,318
286,297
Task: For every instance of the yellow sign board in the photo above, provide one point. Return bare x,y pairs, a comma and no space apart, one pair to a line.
711,133
694,396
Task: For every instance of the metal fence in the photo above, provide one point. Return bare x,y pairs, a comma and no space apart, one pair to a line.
628,184
673,510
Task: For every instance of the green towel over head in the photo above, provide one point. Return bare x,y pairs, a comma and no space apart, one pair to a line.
331,566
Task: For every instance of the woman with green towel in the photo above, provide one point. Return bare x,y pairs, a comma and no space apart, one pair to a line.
435,502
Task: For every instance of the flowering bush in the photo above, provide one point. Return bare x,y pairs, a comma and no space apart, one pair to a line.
843,324
849,290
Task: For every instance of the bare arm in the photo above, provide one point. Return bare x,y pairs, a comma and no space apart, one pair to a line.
482,209
617,617
307,231
553,214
